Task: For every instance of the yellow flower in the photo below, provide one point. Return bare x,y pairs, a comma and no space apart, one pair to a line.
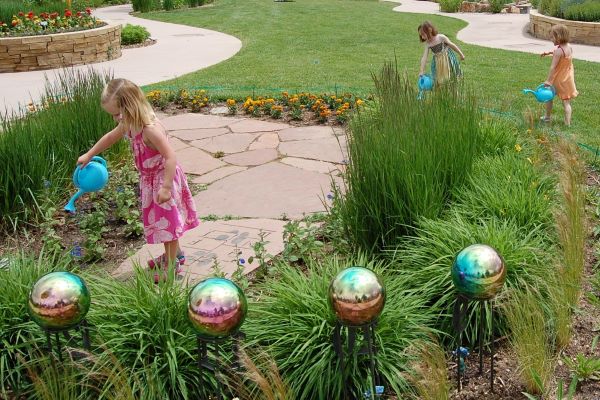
518,148
359,102
528,131
230,102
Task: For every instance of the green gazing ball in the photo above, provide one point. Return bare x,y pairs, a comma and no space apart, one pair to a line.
59,300
478,272
356,296
217,308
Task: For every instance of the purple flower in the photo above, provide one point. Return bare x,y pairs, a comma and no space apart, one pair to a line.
330,196
76,251
47,183
242,261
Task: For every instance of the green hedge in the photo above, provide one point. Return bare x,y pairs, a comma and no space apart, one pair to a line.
134,34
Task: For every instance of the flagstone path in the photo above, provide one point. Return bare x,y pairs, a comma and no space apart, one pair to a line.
268,172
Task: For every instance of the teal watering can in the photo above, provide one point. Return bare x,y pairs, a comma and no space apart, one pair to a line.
543,93
425,83
91,178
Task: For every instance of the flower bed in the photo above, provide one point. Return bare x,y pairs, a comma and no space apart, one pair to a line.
28,24
581,32
58,50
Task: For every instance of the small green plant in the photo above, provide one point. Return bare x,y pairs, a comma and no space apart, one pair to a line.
261,256
93,225
429,373
134,34
497,5
219,154
52,241
584,368
300,241
560,391
450,6
239,275
216,270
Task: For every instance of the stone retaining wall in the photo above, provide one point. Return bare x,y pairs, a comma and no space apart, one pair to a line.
581,32
29,53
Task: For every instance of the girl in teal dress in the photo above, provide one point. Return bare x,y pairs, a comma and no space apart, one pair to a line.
444,64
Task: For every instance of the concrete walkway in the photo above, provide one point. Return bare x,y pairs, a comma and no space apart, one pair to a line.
498,31
267,170
179,50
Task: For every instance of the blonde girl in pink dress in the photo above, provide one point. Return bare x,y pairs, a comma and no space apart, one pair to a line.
168,209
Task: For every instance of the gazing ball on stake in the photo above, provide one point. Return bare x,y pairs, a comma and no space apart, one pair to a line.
217,308
478,272
59,300
356,296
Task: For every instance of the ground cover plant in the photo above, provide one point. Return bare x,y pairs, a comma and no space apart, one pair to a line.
134,34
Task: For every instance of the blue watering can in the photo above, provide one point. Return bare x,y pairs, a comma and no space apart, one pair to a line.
91,178
543,93
425,83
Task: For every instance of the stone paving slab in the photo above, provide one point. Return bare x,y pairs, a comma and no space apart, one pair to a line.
232,143
215,240
265,141
252,157
197,121
327,149
195,161
217,174
197,133
253,125
266,191
306,132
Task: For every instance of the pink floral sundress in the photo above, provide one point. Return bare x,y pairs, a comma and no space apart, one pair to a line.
167,221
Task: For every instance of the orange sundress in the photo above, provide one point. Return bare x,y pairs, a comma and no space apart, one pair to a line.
563,78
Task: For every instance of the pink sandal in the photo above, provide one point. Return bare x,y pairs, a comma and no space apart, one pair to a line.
161,260
163,274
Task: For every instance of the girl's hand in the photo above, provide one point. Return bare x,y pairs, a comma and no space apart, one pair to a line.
163,195
462,57
83,160
546,53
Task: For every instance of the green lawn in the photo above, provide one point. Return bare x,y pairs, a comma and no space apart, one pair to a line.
316,45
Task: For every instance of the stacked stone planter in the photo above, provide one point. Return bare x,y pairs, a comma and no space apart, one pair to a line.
30,53
581,32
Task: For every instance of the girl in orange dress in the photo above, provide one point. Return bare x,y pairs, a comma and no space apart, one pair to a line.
561,74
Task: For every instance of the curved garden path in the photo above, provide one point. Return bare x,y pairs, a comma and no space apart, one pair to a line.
498,31
179,50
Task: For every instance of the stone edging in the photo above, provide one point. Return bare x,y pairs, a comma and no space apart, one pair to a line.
30,53
581,32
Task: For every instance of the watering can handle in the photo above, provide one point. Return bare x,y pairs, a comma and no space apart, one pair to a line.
99,159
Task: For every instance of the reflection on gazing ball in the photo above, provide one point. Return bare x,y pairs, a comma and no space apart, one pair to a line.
59,300
356,296
216,308
478,272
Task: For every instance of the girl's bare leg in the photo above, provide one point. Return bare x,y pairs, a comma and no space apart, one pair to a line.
171,251
548,110
568,112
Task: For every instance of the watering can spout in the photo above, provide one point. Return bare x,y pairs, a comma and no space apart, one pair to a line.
525,91
70,207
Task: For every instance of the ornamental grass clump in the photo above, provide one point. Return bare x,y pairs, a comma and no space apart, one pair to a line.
292,319
18,333
406,157
146,328
425,260
38,150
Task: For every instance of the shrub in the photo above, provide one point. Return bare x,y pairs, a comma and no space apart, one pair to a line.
406,157
497,5
134,34
294,322
145,5
168,5
450,6
588,11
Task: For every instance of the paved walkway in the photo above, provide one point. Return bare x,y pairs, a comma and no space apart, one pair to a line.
268,170
179,50
498,31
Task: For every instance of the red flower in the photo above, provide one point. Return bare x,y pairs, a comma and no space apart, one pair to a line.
53,15
88,11
78,14
14,23
30,15
21,13
68,13
44,15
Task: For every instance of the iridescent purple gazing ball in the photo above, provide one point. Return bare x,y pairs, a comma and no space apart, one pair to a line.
59,300
217,308
478,272
356,296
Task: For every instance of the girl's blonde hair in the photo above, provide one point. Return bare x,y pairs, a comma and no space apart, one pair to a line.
136,112
428,30
560,33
